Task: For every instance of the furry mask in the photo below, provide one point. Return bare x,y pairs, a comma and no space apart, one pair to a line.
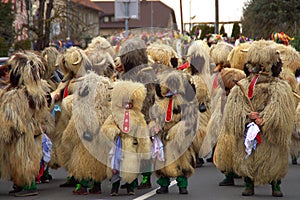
174,83
263,58
133,53
76,61
26,68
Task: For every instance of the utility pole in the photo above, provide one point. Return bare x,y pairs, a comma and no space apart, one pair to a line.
126,17
216,16
68,18
181,16
30,24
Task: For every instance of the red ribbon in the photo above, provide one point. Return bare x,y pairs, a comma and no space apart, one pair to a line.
251,86
169,112
66,91
126,124
215,83
258,138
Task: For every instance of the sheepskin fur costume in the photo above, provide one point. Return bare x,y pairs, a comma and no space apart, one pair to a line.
199,61
50,54
290,57
24,111
82,146
295,145
199,69
226,81
127,99
273,99
175,114
75,64
133,54
238,56
101,54
163,54
219,53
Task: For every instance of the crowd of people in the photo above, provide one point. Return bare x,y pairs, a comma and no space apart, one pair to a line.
149,104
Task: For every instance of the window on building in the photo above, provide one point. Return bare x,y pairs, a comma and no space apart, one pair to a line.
106,19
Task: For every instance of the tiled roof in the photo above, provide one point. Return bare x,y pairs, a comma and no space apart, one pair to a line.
88,4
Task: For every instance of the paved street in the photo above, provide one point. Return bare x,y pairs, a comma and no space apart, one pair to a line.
203,185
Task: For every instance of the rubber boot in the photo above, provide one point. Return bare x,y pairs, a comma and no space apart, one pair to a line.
131,187
115,188
249,187
228,180
164,183
182,184
276,192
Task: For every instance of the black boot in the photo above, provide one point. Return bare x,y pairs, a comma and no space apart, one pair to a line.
199,162
130,189
249,190
276,192
162,190
229,180
294,160
183,190
96,188
16,189
115,188
146,183
71,182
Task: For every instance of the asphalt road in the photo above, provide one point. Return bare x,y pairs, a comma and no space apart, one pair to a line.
202,185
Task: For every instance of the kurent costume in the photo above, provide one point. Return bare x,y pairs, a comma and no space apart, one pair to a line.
223,142
261,126
174,125
199,68
74,64
219,53
82,145
127,135
24,110
134,60
101,54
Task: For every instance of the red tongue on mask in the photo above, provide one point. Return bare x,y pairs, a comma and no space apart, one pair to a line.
169,112
126,124
251,86
215,83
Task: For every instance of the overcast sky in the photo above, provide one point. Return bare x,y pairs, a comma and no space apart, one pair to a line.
204,10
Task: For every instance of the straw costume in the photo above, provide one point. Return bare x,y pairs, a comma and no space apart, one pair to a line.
261,150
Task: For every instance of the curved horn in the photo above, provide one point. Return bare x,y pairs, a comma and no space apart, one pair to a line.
78,60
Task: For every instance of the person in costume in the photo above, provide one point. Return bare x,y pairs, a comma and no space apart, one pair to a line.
198,66
223,83
127,135
173,126
25,109
260,114
74,64
135,67
82,145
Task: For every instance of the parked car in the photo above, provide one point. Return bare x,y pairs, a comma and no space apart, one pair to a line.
3,60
